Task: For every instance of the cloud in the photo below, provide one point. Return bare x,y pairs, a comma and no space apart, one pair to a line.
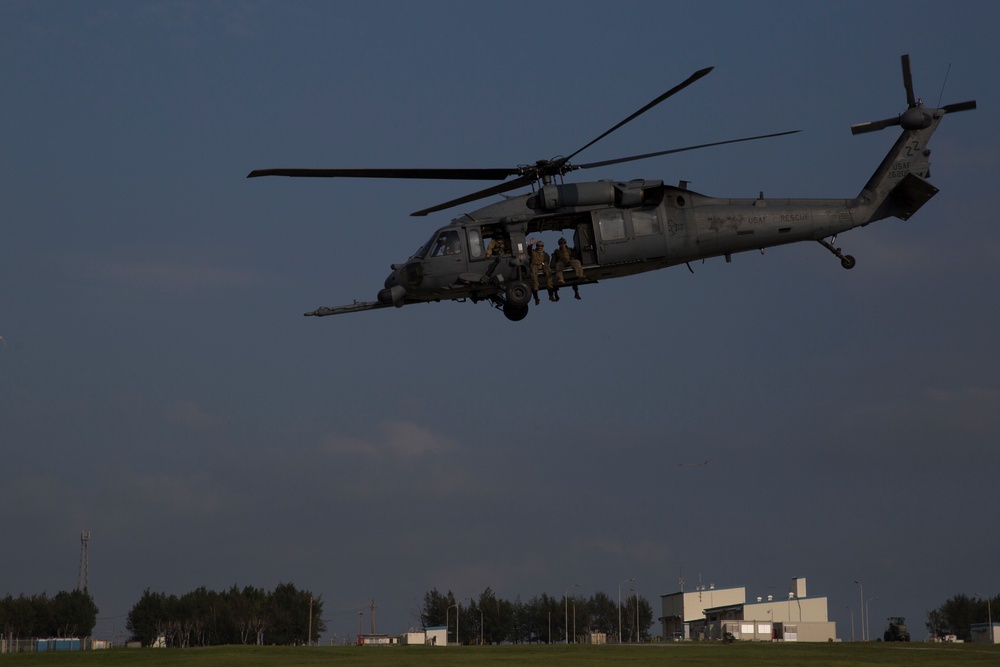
189,495
192,416
403,459
166,276
964,415
392,440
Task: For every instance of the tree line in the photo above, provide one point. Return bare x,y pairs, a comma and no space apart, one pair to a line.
957,615
284,616
542,619
68,614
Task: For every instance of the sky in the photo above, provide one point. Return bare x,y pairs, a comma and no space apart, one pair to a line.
160,388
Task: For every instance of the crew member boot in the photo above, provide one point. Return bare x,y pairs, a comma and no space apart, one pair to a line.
535,294
576,292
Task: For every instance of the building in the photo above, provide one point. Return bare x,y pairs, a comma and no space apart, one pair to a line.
981,633
681,610
725,614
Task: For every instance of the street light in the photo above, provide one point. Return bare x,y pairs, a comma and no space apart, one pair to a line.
868,618
472,605
637,634
989,614
566,605
446,622
862,609
852,621
620,608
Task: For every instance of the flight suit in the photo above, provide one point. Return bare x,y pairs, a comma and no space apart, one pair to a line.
497,246
540,262
563,257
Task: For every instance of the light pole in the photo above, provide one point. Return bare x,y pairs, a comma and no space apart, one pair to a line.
566,605
989,615
620,608
852,621
472,605
868,618
638,635
446,622
862,609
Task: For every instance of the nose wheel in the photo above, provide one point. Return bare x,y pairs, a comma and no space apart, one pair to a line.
846,261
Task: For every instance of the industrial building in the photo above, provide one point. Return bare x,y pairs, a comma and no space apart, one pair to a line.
724,613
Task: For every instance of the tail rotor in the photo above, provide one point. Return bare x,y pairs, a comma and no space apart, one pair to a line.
916,116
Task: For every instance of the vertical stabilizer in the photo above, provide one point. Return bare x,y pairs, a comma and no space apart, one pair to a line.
899,186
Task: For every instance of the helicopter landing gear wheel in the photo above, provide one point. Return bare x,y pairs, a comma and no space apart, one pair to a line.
518,294
514,313
846,261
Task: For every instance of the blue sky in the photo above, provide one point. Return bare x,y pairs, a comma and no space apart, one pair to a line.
160,388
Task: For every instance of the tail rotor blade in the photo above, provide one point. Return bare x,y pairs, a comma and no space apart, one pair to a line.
960,106
874,125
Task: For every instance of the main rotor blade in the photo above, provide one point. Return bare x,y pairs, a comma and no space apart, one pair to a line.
446,174
495,190
908,82
631,158
676,89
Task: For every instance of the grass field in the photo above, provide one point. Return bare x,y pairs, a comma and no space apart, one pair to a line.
753,655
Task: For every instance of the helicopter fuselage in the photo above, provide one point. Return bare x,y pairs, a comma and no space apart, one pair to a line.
617,229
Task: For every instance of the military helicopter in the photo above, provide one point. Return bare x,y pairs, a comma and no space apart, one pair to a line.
624,228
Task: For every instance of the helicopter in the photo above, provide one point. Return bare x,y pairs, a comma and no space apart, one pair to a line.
625,228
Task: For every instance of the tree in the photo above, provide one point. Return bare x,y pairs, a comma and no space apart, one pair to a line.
604,614
631,632
289,611
435,611
73,614
958,613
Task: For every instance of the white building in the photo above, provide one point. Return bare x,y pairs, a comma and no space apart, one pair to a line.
725,613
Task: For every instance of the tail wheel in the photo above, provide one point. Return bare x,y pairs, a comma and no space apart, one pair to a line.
518,294
848,261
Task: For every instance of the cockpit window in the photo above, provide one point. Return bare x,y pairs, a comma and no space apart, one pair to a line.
446,243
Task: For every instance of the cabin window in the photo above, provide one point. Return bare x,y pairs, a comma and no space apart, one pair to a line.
645,222
611,222
476,248
447,243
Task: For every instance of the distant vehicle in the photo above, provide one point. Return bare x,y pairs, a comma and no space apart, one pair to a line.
897,632
624,228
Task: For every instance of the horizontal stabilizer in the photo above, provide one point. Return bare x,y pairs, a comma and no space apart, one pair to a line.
908,196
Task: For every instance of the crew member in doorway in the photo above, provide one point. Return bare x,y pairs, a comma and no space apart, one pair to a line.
564,257
540,262
497,246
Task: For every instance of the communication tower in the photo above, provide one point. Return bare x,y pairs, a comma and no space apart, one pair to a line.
81,585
